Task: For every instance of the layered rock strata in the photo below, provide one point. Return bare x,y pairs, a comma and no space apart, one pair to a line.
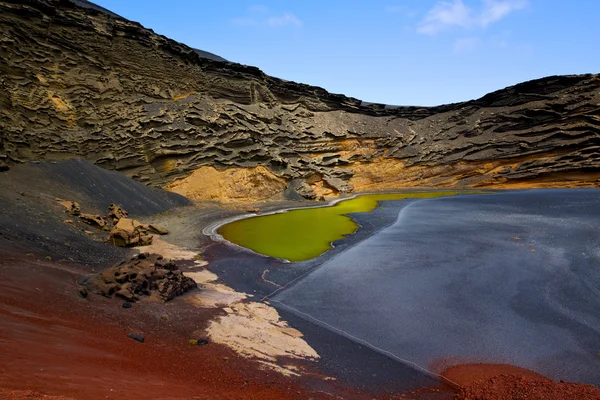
82,83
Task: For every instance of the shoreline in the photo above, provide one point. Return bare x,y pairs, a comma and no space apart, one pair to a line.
211,231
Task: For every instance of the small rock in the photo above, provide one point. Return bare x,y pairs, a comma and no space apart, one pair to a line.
71,207
115,212
94,220
83,292
126,304
137,337
125,295
158,229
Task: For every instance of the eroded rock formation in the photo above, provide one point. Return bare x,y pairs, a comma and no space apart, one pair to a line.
81,83
143,275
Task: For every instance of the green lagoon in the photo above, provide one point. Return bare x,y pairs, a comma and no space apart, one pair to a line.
302,234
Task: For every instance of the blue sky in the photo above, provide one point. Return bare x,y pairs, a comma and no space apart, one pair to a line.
406,52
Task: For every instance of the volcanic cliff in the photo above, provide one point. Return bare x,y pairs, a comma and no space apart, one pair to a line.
80,82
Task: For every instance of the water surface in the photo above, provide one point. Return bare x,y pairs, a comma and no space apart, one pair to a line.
508,278
299,235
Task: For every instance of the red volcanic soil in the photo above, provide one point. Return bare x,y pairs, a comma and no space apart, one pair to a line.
507,382
55,345
53,342
511,387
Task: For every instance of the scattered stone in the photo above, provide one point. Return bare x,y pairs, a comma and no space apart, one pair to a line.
83,292
129,232
116,212
158,229
71,207
140,276
137,337
68,221
126,304
93,220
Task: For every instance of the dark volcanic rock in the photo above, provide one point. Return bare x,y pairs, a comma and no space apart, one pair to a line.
138,337
82,83
140,276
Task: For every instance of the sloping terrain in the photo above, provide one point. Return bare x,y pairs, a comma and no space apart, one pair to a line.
82,83
33,221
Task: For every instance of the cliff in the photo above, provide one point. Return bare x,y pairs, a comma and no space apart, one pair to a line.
79,82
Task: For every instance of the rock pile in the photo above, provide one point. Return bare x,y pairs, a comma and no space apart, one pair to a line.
125,232
143,275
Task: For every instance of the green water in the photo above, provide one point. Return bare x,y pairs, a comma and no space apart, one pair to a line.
299,235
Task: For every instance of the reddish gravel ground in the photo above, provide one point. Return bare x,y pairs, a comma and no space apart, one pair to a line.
53,342
507,382
54,345
28,395
514,387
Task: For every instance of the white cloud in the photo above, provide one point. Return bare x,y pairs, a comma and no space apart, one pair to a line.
259,15
244,21
452,14
404,10
466,45
258,9
284,20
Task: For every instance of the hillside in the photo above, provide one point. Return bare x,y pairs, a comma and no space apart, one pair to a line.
82,83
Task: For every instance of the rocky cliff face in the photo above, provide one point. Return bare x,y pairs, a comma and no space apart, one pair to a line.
80,83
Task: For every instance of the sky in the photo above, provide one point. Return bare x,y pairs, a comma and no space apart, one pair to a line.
400,52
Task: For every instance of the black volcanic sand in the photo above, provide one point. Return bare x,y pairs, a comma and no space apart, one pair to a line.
500,278
32,221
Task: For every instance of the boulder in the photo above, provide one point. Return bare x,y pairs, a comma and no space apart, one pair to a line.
338,184
71,207
116,212
143,275
138,337
158,229
129,232
300,187
94,220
